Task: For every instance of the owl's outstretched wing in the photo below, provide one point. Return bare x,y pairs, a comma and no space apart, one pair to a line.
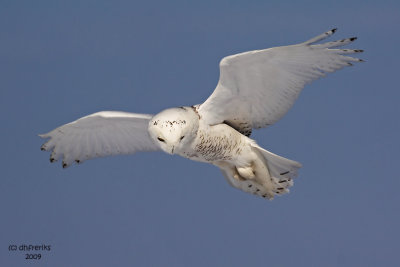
257,88
98,135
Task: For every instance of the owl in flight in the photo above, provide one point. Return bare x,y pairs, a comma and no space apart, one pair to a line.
255,89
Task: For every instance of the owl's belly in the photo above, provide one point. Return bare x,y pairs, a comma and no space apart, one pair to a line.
216,143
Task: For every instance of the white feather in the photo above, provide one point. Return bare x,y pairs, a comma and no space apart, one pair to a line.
100,134
259,87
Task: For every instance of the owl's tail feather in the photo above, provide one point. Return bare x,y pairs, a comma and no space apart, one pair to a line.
267,176
281,170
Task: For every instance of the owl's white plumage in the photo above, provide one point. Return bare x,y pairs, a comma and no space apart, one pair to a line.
172,129
255,90
100,134
259,87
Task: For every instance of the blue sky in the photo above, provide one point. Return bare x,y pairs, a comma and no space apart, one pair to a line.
61,60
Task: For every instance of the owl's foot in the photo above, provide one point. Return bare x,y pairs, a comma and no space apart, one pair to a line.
246,172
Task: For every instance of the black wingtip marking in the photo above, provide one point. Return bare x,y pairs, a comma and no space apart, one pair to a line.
51,160
353,39
42,148
334,30
283,173
77,161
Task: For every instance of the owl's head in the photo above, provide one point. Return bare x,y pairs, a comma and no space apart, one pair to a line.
173,128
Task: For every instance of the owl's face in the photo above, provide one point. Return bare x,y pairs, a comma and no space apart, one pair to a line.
173,128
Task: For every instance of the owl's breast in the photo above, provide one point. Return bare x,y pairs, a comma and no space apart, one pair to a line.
215,143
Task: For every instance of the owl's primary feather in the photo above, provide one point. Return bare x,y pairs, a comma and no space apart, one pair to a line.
255,90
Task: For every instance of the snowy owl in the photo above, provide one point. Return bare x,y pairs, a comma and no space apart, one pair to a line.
255,89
